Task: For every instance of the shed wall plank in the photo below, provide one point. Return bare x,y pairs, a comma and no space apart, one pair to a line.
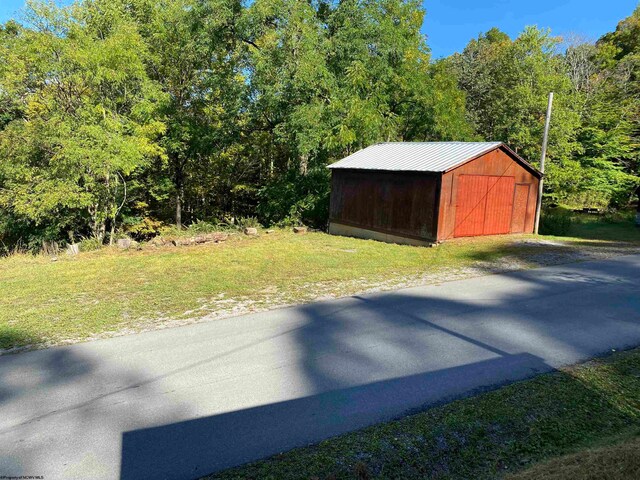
400,202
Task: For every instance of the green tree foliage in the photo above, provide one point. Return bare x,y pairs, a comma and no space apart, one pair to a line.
193,57
84,117
592,159
602,171
329,79
618,61
134,113
507,83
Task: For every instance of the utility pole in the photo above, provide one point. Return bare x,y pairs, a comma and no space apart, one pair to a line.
542,157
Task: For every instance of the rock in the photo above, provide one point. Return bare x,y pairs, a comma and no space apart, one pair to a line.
251,231
184,241
199,239
219,236
269,232
300,230
158,241
124,243
73,249
54,259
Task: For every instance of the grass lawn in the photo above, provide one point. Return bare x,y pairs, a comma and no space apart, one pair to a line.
98,293
577,411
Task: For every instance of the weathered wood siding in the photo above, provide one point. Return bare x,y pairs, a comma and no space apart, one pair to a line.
496,163
399,203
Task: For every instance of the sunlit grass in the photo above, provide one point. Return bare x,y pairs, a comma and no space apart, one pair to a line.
45,301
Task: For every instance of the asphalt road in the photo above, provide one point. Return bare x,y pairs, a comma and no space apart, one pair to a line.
187,401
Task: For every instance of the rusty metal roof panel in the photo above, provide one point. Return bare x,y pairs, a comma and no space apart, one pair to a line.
415,156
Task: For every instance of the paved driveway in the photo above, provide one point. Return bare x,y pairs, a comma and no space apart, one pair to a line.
187,401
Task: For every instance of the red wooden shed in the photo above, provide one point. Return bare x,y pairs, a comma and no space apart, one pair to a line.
421,192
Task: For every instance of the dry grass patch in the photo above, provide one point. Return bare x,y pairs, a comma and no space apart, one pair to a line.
616,462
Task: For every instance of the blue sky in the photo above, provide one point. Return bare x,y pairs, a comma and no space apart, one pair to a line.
450,24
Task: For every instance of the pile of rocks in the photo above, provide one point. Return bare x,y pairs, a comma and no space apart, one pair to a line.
124,243
215,237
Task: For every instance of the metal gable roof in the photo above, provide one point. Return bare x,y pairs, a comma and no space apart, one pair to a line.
415,156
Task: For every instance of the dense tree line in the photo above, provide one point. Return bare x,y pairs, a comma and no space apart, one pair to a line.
125,115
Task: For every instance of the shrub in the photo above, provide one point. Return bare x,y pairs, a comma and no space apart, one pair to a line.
555,222
88,244
200,226
618,216
21,235
295,199
170,231
248,222
141,228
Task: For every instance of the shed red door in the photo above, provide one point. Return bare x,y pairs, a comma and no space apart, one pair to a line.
471,202
484,205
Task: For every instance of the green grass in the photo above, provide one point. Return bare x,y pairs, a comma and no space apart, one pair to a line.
619,226
585,226
490,435
74,298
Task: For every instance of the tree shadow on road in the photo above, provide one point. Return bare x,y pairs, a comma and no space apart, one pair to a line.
373,358
364,360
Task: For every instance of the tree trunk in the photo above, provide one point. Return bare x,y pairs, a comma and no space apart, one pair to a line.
112,232
179,207
98,227
178,181
99,230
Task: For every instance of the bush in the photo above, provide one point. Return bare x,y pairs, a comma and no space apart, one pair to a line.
248,222
618,216
21,235
555,222
89,244
296,199
200,226
141,228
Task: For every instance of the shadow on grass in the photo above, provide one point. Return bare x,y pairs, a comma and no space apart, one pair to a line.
622,229
11,337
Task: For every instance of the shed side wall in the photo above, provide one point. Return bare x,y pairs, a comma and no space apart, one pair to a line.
397,203
496,162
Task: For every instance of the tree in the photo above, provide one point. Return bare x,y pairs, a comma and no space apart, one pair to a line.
599,172
507,83
192,54
328,79
86,117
